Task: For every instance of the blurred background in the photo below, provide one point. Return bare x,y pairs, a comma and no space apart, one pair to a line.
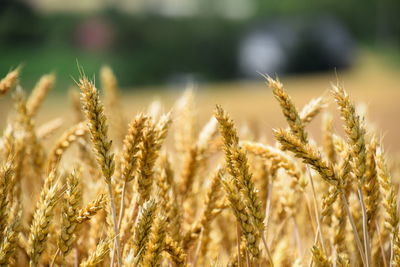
156,47
152,42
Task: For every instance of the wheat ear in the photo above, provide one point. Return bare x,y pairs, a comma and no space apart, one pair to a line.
356,135
371,186
49,128
327,131
97,257
149,148
338,218
185,127
175,252
308,154
190,165
26,122
131,146
6,176
237,166
91,209
210,208
319,258
129,156
312,109
74,96
146,159
42,219
243,217
278,159
64,142
143,228
98,128
288,108
9,81
156,241
70,210
110,87
389,196
164,183
354,130
9,243
39,92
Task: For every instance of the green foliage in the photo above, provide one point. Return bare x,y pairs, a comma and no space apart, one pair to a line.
144,50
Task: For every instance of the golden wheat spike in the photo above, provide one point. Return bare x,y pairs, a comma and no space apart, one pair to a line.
70,209
288,108
39,92
9,81
42,219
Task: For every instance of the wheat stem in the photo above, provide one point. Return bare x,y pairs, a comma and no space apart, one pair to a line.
317,218
271,262
367,247
116,249
354,228
238,241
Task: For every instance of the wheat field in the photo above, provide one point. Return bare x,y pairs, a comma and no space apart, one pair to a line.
179,187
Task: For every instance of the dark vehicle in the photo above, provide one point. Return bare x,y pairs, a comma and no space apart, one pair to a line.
294,46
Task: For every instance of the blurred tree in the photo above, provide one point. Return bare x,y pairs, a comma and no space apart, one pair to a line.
369,20
17,23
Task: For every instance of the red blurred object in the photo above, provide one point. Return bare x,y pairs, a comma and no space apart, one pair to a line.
94,34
